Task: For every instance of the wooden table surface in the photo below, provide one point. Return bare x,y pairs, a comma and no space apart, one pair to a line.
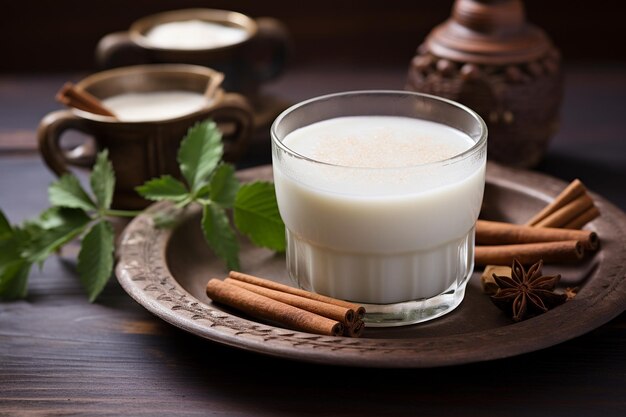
61,355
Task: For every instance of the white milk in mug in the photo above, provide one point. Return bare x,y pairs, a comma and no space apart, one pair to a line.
155,105
195,34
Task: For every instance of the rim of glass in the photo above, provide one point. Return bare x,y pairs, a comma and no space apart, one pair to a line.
463,155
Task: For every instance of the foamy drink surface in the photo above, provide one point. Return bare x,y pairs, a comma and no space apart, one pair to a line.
377,141
157,105
194,34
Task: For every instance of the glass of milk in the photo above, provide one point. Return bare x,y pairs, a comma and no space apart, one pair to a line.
380,192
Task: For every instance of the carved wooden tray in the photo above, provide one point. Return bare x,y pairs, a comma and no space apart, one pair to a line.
166,272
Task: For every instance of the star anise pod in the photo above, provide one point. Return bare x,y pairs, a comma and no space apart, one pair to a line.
526,293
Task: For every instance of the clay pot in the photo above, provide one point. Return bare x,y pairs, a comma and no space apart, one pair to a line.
489,58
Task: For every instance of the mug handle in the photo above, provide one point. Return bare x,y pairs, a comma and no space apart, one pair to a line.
234,117
118,50
270,48
49,135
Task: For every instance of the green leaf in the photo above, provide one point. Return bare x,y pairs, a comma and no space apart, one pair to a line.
67,192
10,250
165,220
102,180
163,188
168,217
14,279
220,235
95,259
5,226
54,228
203,193
14,269
257,215
224,186
199,153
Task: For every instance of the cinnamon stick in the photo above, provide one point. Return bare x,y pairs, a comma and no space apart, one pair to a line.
259,306
496,233
571,209
81,99
567,213
583,218
574,190
529,253
332,311
262,282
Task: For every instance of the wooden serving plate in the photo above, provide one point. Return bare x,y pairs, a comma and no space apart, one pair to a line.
166,272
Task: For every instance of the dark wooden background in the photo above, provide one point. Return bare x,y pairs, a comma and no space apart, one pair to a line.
37,36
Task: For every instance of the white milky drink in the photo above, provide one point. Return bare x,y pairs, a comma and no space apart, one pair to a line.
372,214
155,105
194,34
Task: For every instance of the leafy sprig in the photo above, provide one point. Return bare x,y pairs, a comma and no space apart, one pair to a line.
78,214
74,214
213,185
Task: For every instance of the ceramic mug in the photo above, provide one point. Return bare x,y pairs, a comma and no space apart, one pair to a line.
259,55
142,150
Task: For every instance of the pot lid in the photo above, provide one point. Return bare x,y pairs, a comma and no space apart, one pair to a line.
488,32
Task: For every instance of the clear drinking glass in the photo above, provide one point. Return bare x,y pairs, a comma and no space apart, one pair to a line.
398,240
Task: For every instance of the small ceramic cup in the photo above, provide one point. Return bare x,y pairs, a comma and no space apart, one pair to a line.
253,58
142,150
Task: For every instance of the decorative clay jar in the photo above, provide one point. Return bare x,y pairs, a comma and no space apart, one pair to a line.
489,58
